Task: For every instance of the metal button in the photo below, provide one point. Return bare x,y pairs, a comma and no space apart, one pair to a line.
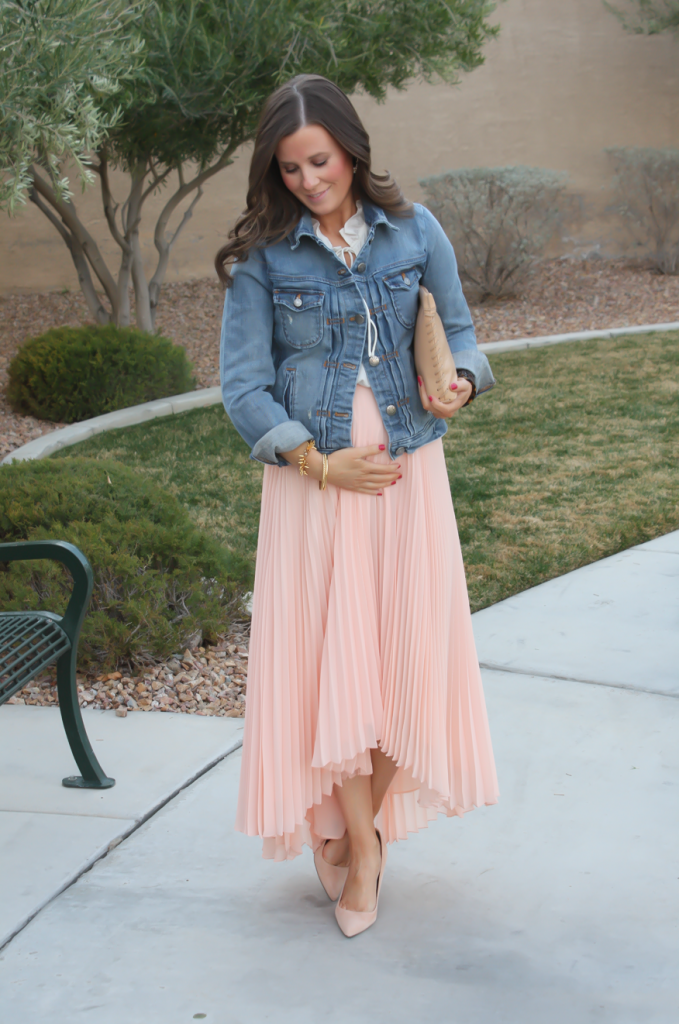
406,280
374,360
360,268
391,409
400,451
297,302
341,273
359,318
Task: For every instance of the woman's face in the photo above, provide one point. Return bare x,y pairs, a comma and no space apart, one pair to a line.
315,168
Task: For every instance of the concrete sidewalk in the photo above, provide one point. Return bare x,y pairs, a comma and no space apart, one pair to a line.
49,834
560,905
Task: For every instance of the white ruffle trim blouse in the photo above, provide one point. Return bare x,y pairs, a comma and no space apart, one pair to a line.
354,233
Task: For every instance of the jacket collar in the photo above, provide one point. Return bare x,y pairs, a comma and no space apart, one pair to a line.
374,215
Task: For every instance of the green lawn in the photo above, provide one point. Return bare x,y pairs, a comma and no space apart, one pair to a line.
572,457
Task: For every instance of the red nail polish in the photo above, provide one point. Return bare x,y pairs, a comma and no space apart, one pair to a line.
419,381
382,447
400,476
379,494
431,398
453,387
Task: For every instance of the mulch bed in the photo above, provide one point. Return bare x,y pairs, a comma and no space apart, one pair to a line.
564,295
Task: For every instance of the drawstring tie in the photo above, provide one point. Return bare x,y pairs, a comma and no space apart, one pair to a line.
372,337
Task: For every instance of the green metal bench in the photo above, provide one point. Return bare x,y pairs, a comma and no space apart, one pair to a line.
30,641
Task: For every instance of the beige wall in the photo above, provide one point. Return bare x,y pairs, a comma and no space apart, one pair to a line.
560,83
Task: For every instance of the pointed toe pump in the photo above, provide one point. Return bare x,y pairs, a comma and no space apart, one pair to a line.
353,922
331,877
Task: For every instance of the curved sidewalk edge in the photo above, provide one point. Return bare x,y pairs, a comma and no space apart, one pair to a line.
557,339
56,439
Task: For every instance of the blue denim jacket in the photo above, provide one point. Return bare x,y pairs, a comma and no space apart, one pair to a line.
294,333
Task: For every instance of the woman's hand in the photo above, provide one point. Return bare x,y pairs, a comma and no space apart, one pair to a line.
461,388
350,468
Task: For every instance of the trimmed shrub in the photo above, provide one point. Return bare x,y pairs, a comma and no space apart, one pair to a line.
157,578
73,373
499,220
646,183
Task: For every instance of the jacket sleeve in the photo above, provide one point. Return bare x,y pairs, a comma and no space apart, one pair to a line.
246,366
443,281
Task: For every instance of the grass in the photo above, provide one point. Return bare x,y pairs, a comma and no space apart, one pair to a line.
572,457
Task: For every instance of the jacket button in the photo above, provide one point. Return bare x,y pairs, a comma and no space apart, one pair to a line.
400,451
359,318
297,302
391,409
341,273
360,268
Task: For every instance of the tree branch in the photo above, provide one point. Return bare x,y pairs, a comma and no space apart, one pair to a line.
98,311
66,211
162,242
110,206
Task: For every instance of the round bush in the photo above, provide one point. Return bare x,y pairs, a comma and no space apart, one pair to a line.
157,578
73,373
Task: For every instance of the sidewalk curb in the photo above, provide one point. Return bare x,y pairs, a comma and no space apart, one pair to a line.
43,446
557,339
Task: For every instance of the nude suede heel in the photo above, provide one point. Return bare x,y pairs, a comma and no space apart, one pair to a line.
353,922
331,877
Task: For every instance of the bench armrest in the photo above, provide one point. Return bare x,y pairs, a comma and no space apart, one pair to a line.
76,563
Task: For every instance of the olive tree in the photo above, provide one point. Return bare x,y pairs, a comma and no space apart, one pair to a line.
208,66
61,63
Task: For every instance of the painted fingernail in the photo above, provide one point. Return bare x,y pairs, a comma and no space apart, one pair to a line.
382,447
453,387
393,482
419,381
379,494
400,476
431,398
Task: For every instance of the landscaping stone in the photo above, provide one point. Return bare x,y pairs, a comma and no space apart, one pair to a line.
208,680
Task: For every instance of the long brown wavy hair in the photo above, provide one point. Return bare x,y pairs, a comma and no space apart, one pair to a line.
272,210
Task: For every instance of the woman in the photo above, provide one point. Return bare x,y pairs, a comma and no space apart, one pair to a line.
364,694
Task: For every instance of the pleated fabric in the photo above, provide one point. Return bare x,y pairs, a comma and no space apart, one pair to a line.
361,637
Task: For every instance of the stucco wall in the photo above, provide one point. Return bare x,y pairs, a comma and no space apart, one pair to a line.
560,83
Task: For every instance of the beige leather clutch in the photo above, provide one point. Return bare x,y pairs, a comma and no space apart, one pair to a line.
433,359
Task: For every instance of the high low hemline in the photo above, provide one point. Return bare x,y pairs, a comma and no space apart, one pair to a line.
361,636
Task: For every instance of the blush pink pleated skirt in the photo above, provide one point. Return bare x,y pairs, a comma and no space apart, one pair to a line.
361,638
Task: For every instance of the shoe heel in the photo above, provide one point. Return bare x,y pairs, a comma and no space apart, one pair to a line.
331,877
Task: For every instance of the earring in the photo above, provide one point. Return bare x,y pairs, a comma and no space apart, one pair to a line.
355,164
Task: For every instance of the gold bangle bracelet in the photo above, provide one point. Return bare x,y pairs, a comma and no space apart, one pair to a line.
324,480
304,457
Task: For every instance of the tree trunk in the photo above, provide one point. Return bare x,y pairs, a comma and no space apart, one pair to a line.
82,247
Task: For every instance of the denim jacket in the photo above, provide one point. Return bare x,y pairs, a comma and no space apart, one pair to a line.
294,332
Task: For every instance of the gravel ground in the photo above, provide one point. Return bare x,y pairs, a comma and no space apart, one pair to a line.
564,295
202,681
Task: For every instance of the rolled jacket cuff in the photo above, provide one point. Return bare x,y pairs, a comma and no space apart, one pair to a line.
281,438
477,363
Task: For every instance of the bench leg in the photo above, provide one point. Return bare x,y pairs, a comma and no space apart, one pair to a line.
92,775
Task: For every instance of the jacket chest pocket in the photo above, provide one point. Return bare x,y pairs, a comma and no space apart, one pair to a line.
403,288
298,317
